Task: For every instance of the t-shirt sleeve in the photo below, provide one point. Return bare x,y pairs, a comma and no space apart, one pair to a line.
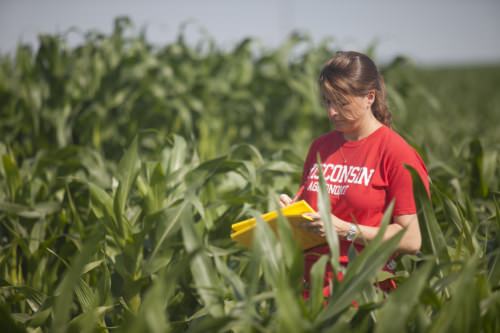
400,184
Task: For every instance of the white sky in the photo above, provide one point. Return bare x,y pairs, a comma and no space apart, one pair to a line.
429,31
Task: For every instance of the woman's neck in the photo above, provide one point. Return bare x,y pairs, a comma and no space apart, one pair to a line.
364,129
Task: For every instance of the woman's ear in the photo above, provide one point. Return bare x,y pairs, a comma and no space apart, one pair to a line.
370,97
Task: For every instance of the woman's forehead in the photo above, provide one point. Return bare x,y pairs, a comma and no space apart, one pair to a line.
335,95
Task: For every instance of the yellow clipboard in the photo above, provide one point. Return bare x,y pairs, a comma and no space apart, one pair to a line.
242,232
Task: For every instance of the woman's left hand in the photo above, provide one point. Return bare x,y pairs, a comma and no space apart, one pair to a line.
317,225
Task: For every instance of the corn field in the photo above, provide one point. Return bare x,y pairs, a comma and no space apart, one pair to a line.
123,166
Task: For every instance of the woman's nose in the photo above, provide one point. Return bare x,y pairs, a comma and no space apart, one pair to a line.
332,111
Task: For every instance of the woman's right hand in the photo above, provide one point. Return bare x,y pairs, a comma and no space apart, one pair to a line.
285,200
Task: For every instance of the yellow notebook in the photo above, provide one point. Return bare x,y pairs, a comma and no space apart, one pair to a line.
242,232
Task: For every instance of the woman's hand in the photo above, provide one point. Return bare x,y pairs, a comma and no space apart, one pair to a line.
317,226
285,200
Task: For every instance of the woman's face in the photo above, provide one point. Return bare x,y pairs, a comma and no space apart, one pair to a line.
348,116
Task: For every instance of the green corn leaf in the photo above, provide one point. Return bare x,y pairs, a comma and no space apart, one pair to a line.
209,324
34,298
103,287
72,207
128,169
155,195
64,300
325,213
231,279
152,316
13,176
177,154
239,149
490,166
355,267
39,211
483,166
317,300
37,235
461,314
292,254
92,265
8,323
86,297
103,200
344,293
394,315
267,249
363,269
203,270
89,321
433,240
41,316
168,222
289,316
494,263
454,213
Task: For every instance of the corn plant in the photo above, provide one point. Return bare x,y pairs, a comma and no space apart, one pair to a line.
123,165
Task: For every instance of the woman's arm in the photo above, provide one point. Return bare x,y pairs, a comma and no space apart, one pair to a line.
410,243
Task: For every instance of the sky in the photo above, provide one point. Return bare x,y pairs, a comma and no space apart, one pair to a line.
430,32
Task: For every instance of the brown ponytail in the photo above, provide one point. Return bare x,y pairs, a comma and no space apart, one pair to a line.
379,106
354,74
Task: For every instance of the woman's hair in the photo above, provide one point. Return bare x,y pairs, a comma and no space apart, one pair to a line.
354,74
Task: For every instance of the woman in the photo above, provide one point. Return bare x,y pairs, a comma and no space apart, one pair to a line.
363,162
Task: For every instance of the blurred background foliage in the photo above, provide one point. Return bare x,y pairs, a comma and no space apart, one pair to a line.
123,165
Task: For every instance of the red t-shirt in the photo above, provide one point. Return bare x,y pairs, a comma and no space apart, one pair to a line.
362,178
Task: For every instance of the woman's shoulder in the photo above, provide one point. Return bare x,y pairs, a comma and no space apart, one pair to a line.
397,149
394,142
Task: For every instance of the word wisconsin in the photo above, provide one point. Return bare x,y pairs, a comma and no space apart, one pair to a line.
338,176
